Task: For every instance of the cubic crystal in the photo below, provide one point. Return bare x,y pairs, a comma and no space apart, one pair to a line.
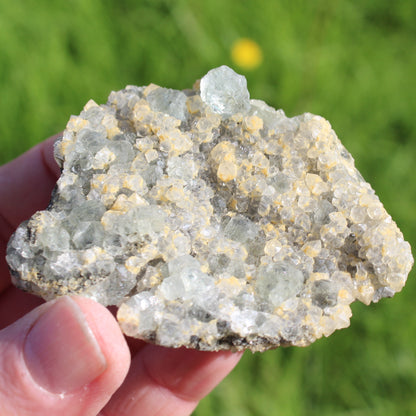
225,91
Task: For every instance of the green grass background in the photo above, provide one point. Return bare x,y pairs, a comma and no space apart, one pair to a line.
352,62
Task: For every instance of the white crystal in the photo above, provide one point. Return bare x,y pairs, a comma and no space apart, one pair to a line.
168,101
225,91
278,282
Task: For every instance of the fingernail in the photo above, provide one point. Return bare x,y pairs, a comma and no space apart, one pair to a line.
61,351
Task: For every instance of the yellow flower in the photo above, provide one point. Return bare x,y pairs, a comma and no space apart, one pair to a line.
246,53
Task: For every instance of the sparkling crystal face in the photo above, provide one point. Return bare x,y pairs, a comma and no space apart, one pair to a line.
225,92
213,221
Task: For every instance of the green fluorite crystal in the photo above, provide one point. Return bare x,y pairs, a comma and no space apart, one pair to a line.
213,221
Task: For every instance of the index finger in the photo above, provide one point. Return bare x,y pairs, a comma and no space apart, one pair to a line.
167,381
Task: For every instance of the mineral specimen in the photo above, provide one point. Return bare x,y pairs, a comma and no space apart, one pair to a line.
213,221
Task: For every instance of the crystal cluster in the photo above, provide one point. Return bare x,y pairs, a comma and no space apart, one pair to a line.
211,220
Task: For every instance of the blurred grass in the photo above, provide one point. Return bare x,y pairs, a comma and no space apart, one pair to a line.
352,62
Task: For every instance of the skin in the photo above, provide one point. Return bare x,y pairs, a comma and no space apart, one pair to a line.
122,376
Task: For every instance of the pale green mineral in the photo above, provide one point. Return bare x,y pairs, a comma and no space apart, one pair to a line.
213,221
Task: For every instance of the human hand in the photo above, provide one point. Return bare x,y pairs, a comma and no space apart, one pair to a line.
69,356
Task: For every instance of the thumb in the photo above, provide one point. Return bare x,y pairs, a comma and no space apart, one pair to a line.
66,356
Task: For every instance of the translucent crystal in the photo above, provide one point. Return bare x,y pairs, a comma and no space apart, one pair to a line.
168,101
240,229
277,282
225,91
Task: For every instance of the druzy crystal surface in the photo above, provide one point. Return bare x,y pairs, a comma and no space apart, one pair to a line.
211,220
